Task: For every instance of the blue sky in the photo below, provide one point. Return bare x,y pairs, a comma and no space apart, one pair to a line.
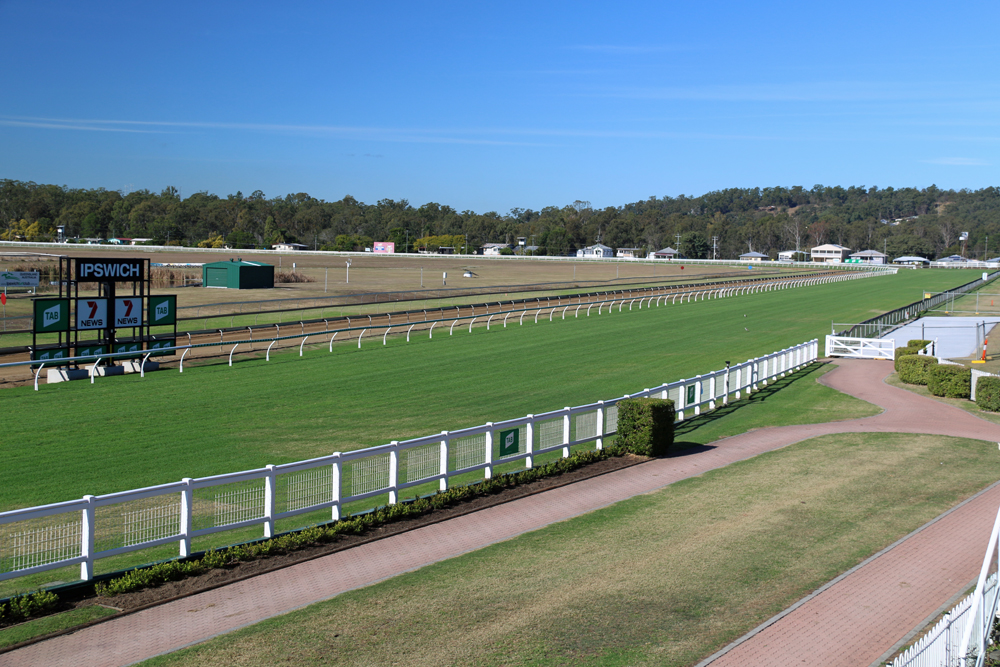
490,106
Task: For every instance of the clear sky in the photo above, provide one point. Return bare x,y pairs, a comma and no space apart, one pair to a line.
494,105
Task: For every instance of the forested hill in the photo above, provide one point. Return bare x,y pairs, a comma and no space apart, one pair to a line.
906,221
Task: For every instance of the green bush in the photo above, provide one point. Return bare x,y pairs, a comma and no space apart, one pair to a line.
988,393
646,425
22,607
918,343
950,381
915,369
904,351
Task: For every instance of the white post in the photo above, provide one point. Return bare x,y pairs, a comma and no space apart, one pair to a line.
394,473
269,493
739,382
725,386
711,392
187,504
335,488
566,425
697,396
679,405
529,446
87,539
443,469
600,425
488,471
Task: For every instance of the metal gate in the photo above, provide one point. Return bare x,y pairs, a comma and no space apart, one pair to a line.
860,348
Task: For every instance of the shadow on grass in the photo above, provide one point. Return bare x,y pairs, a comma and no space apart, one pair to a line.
759,396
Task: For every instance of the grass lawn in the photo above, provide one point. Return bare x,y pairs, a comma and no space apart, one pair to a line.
661,579
43,626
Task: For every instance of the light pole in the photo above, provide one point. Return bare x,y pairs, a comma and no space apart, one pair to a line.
348,271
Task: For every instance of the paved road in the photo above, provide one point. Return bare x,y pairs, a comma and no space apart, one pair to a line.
861,615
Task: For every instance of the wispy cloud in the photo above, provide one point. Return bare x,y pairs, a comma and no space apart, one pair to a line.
628,49
83,126
817,92
958,161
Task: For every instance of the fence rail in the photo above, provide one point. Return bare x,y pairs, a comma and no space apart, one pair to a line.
38,539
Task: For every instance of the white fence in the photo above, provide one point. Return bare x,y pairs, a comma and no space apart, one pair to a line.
860,348
37,539
941,647
976,374
976,635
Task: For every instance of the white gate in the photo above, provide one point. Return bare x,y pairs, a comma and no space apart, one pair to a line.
860,348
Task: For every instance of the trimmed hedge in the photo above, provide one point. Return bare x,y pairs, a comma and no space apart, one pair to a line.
950,381
903,352
915,369
918,343
988,393
645,426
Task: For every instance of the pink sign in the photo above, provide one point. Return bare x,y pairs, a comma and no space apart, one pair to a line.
385,247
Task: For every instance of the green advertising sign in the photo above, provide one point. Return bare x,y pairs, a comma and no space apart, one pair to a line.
91,350
160,344
690,395
161,310
51,315
50,355
128,347
510,442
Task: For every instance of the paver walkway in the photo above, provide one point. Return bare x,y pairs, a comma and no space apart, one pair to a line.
932,578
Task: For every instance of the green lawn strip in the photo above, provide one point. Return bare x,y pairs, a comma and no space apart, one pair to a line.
660,579
964,404
43,626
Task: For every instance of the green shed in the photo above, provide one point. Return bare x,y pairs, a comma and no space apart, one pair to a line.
237,274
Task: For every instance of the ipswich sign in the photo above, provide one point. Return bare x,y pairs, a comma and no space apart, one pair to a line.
108,270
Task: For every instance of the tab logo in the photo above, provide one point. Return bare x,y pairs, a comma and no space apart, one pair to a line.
162,310
509,441
51,316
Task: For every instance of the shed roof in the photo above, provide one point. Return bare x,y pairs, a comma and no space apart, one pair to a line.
868,253
235,262
753,254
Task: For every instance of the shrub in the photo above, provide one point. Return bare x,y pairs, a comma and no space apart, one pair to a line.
904,351
646,425
915,369
918,343
988,393
22,607
950,381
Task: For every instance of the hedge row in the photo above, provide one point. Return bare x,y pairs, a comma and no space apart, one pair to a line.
646,426
915,369
950,381
22,607
988,393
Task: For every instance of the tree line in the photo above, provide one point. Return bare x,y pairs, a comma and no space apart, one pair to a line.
906,221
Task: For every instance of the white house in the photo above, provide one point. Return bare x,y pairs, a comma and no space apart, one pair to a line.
289,246
596,250
870,257
830,253
792,256
666,253
631,253
494,248
753,257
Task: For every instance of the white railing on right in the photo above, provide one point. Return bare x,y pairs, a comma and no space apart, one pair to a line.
976,635
976,374
940,647
78,532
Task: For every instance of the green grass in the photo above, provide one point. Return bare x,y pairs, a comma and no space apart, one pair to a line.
43,626
660,579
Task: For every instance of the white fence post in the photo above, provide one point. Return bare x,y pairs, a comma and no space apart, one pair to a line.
488,470
739,382
87,539
529,446
697,395
711,392
566,439
600,425
681,397
443,485
394,473
269,494
187,507
335,488
725,386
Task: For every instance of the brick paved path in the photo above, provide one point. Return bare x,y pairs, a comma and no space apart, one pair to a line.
861,615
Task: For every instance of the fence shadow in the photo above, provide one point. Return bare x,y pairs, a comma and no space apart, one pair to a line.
758,396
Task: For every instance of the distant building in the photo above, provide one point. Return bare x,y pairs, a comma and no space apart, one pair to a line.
870,257
792,256
289,246
830,253
753,257
911,260
596,250
630,253
666,253
494,248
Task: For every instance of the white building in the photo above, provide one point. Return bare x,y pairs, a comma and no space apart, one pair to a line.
753,257
666,253
830,253
494,248
792,256
596,250
630,253
289,246
870,257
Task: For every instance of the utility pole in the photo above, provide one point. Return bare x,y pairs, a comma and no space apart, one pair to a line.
678,237
715,240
